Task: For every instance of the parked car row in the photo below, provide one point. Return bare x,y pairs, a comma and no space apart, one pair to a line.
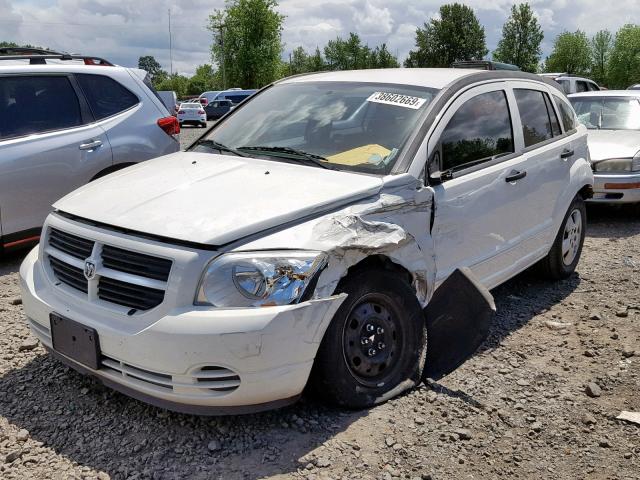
334,213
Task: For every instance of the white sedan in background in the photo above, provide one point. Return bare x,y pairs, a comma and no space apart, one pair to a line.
613,120
192,113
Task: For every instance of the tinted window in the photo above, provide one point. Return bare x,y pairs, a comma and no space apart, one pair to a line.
34,104
479,130
566,113
581,86
593,87
555,125
536,126
106,97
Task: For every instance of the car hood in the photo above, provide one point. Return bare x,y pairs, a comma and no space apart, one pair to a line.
604,144
213,199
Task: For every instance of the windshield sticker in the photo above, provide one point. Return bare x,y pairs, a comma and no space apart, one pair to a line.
397,99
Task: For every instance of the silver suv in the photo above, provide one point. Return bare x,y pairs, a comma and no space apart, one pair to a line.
572,84
64,121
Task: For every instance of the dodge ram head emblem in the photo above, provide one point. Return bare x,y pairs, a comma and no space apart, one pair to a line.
89,269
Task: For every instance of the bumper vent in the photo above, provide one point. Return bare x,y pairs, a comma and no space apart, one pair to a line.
69,275
73,245
129,294
206,381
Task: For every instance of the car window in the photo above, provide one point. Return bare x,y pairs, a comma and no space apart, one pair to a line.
106,97
581,86
478,131
36,104
593,87
566,113
317,121
536,126
608,113
555,124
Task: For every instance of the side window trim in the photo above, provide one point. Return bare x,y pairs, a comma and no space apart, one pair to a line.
555,100
451,109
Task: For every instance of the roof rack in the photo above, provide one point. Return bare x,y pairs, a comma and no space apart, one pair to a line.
42,56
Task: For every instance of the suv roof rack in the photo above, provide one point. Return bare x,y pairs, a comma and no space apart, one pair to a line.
38,56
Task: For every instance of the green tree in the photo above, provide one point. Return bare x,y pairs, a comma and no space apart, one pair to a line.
205,78
456,35
380,57
521,39
601,45
247,42
316,62
624,63
351,54
299,61
571,54
176,82
152,67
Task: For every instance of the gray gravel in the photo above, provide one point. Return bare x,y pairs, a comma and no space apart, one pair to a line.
522,407
190,133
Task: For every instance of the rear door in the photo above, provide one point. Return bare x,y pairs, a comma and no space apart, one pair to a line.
481,214
48,147
548,157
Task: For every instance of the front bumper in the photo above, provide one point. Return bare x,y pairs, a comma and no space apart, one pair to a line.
185,359
616,188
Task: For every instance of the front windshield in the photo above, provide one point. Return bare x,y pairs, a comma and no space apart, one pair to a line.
608,113
338,125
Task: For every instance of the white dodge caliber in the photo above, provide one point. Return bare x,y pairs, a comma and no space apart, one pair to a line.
302,239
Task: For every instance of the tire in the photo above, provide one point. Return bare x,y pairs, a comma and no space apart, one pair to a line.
562,259
382,309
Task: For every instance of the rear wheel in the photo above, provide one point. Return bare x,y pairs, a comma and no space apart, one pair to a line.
564,255
375,346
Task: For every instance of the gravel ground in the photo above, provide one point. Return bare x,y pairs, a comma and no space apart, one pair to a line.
539,399
190,133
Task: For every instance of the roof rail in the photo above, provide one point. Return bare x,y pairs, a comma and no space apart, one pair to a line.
41,58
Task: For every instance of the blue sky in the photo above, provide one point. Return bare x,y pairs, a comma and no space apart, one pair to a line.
122,31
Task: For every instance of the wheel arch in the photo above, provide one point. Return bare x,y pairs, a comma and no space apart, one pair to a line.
111,169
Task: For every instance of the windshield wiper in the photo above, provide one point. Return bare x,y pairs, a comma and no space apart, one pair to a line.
311,158
219,146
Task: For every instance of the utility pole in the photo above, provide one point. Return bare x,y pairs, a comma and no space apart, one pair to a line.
221,39
170,46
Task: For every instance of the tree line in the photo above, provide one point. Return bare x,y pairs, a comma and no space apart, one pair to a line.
247,49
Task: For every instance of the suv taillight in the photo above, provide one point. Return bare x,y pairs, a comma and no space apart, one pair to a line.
201,112
170,125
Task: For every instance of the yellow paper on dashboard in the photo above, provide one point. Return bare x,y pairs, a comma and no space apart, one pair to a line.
359,155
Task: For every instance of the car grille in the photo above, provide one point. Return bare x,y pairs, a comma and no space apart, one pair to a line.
69,275
73,245
129,279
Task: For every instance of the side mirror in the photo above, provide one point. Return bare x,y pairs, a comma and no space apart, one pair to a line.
435,178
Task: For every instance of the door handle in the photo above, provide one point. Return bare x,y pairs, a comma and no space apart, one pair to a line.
567,154
515,175
90,145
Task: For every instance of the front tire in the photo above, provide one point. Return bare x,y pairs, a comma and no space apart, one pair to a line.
375,346
562,259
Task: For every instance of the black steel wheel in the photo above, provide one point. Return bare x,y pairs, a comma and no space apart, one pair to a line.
375,347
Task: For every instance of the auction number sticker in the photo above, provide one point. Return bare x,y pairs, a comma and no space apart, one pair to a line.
397,99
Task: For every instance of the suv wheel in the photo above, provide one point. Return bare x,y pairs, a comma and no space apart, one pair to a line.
375,346
562,259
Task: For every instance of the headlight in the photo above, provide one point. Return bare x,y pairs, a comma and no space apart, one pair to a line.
635,163
614,165
258,279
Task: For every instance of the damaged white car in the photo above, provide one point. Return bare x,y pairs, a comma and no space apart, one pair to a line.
301,240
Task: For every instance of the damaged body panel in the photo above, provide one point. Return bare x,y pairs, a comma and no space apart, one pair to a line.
338,230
